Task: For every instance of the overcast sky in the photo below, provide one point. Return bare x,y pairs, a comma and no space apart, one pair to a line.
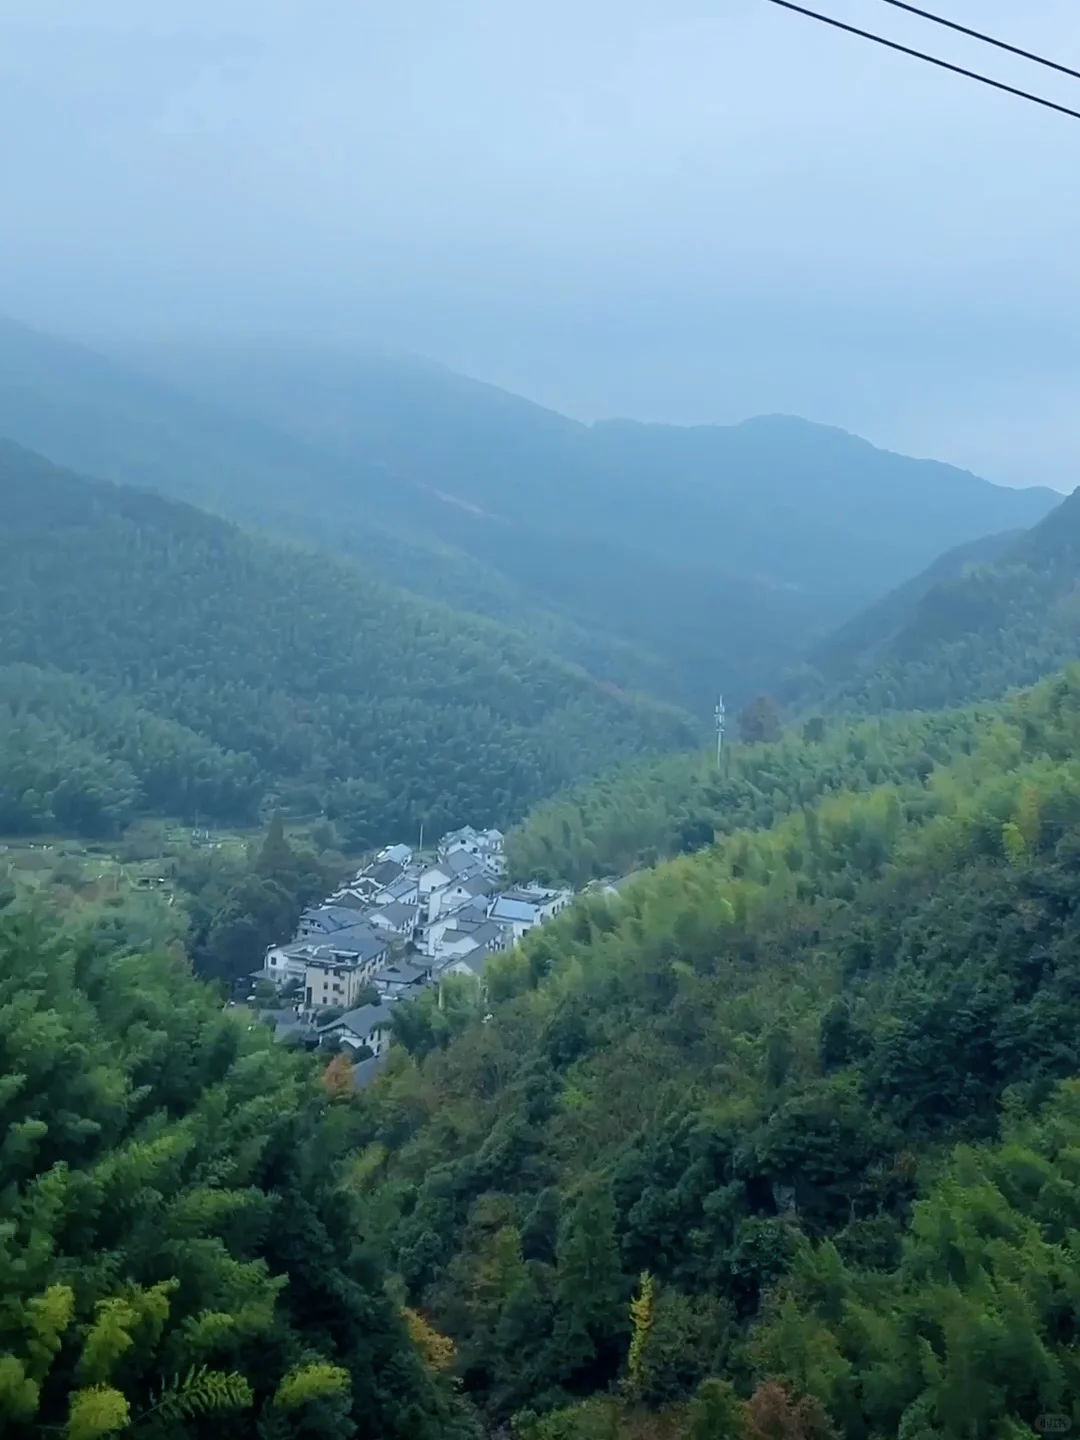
690,210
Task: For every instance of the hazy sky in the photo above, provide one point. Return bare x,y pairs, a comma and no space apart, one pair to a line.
689,210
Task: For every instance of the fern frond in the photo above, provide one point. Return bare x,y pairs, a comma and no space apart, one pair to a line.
202,1391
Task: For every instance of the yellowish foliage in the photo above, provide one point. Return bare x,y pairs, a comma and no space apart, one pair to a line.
18,1393
642,1309
49,1315
98,1411
338,1079
437,1351
311,1382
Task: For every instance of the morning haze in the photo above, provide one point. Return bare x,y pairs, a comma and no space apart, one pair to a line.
686,211
522,916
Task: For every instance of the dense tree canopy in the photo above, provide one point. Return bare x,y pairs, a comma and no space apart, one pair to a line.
679,803
154,658
180,1249
737,1079
981,621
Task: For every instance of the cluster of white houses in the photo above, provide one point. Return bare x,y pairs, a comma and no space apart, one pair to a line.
400,924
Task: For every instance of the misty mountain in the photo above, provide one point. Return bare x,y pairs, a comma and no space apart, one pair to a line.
861,642
666,560
154,657
771,499
983,619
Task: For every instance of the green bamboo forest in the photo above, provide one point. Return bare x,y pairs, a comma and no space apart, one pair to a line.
797,1111
773,1133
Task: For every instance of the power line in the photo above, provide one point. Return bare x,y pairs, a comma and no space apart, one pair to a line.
979,35
929,59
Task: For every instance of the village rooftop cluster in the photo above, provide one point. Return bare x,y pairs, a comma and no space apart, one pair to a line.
401,923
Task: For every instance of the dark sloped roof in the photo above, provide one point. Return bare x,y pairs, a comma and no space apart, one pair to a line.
396,912
329,917
403,973
359,940
489,932
364,1073
361,1022
461,863
384,872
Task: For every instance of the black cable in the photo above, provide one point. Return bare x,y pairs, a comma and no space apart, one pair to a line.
986,39
929,59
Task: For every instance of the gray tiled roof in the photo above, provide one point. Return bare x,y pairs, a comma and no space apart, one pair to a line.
358,942
461,863
328,918
402,973
384,872
489,933
509,907
405,886
396,912
364,1073
477,885
360,1022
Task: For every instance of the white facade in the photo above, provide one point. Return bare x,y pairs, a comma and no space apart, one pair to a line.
435,877
283,968
399,854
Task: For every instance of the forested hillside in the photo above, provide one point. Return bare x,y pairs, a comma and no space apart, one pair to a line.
717,553
772,1144
153,658
677,804
663,560
981,622
180,1246
859,645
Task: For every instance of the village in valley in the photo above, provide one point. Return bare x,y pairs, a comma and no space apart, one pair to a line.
402,923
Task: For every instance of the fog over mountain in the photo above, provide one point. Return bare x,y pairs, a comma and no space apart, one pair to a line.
693,211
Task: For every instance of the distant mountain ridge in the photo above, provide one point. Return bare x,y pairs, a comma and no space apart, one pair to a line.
676,562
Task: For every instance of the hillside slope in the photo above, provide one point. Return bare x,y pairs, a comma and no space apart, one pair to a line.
731,1095
669,561
722,552
165,660
676,804
972,632
857,645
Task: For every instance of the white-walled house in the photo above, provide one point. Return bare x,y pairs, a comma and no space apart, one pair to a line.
454,942
459,892
285,965
442,916
323,920
405,890
470,963
399,854
464,839
526,906
432,878
396,920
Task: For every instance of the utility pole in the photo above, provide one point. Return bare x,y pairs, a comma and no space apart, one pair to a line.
719,714
420,847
